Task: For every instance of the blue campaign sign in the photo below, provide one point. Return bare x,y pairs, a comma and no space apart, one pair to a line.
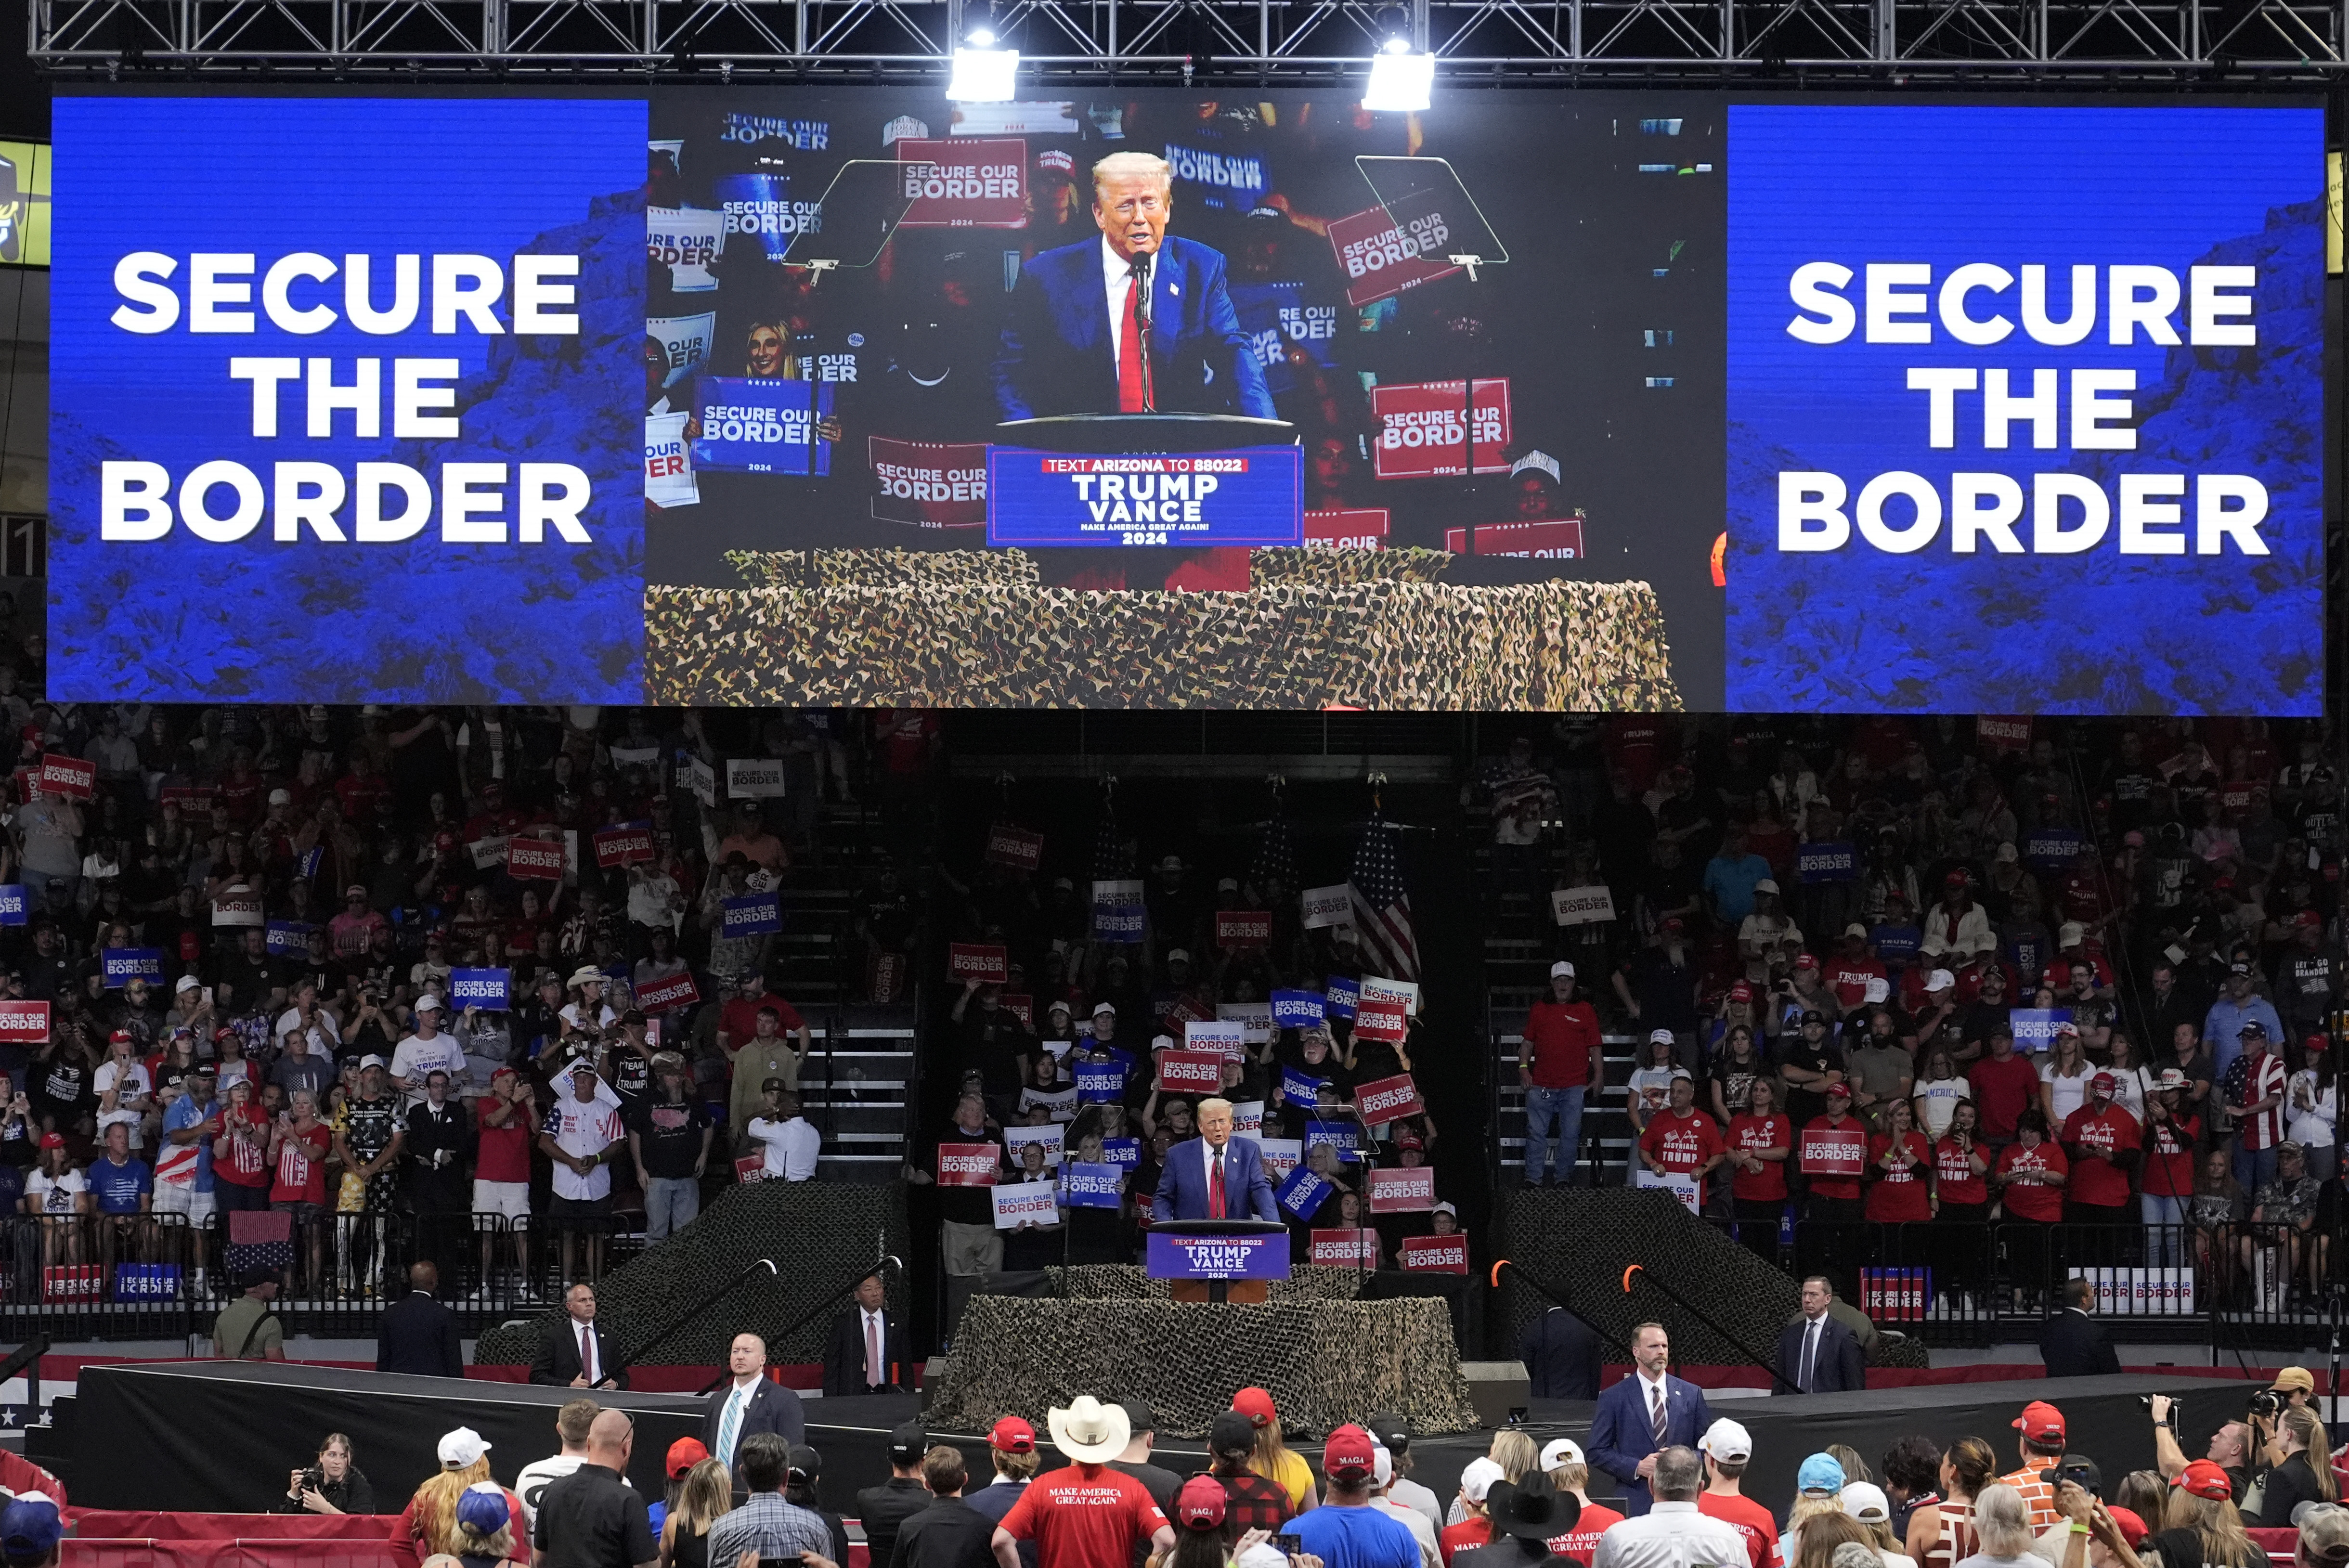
2035,1027
1093,1186
1275,315
1302,1192
1894,940
1342,1136
1344,996
1173,1255
486,989
1100,1083
762,427
1297,1085
307,866
1298,1009
288,936
124,964
1826,863
753,916
2052,846
12,904
1122,1152
1251,496
1117,921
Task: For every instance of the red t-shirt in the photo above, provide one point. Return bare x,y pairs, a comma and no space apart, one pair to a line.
1581,1543
247,1165
1954,1177
1680,1142
1561,1035
2031,1201
1895,1196
302,1166
1750,1133
2111,1130
505,1150
1468,1532
1826,1186
2002,1091
1848,978
1084,1516
741,1018
2170,1156
1746,1517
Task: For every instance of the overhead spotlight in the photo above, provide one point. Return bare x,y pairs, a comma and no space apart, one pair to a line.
1401,79
983,73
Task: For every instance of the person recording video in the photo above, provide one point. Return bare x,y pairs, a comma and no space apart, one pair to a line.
333,1483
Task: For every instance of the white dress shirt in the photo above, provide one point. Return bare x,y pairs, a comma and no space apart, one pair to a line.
1670,1535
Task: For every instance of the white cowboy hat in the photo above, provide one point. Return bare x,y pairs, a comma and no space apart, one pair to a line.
1089,1431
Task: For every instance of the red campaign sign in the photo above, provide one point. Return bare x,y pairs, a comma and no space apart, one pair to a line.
1010,846
1388,1098
1020,1008
185,795
1361,528
1381,1021
622,846
978,961
929,484
1346,1249
25,1021
538,859
1190,1072
751,1168
961,183
1421,429
2004,732
1403,1189
1379,258
1243,928
1833,1151
969,1164
1434,1254
1559,540
666,995
67,775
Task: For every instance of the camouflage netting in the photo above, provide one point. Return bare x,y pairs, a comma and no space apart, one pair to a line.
1324,1362
1122,1282
818,1232
883,628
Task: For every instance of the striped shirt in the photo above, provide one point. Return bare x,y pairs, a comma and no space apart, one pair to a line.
2031,1480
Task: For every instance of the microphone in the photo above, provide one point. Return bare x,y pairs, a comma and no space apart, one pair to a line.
1141,260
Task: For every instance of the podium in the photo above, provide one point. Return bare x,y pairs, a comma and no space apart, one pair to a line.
1156,432
1218,1260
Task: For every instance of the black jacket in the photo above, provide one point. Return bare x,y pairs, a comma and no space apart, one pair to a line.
949,1533
2074,1345
558,1354
886,1507
843,1355
420,1336
1561,1356
352,1494
1838,1367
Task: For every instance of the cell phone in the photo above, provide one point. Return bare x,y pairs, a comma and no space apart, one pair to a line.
1289,1542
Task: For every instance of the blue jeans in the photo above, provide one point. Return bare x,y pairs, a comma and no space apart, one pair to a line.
2164,1242
2254,1167
671,1204
1547,1108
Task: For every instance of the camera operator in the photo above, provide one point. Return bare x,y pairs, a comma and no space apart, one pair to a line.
333,1485
2230,1449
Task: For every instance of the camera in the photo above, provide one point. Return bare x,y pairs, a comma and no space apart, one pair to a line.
2267,1405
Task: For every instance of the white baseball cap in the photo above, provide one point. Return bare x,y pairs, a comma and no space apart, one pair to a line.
1660,1038
1560,1451
1766,884
1478,1477
1725,1439
429,1003
461,1447
1100,1008
1879,988
1561,968
1939,980
1864,1501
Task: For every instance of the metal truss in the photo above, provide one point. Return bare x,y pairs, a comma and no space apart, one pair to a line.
2232,45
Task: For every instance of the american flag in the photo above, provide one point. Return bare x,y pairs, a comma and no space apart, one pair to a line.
1381,907
1276,863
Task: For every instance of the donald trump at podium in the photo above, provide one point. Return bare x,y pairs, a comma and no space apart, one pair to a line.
1082,315
1213,1176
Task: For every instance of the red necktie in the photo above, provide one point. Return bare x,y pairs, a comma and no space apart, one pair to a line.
1129,366
1216,1184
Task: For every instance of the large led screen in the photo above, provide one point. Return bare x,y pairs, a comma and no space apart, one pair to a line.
1593,400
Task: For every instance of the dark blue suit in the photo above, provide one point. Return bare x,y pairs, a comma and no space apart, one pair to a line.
1620,1436
1183,1184
1057,354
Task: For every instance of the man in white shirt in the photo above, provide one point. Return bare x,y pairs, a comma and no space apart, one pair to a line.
791,1140
571,1424
417,1054
584,1135
1672,1534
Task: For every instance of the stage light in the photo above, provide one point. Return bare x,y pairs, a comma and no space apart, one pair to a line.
983,73
1400,80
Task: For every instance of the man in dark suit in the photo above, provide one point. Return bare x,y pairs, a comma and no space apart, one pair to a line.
1816,1354
419,1335
950,1533
578,1353
1214,1176
1643,1415
864,1346
1561,1356
1074,342
2074,1344
751,1402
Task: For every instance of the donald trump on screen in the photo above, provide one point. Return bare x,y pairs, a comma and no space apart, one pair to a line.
1214,1176
1074,342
